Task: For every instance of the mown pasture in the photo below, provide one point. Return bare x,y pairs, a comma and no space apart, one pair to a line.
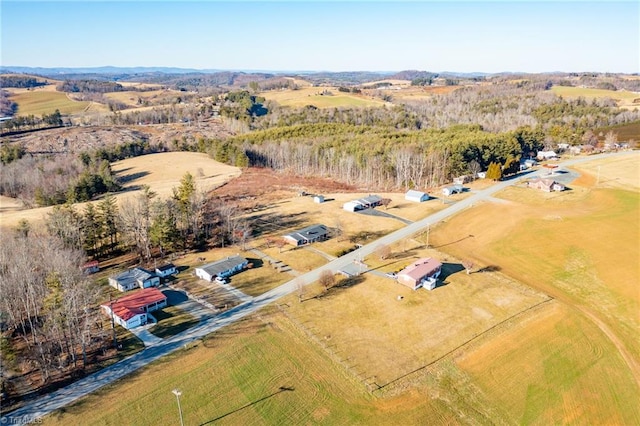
45,101
313,96
625,98
579,246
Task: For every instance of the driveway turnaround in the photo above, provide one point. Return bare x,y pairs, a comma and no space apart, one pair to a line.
46,404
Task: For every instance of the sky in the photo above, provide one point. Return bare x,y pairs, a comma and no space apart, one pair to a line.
296,35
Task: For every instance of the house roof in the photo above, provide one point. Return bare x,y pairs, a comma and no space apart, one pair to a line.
421,268
91,264
166,267
371,199
309,233
414,193
223,265
133,275
134,303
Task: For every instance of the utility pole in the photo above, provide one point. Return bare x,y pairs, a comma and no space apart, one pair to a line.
113,324
177,393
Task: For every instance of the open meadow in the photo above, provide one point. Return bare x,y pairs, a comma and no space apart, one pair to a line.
579,246
45,100
161,171
625,99
313,96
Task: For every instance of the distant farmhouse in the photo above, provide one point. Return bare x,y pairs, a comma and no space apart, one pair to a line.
307,235
130,311
421,273
363,203
546,155
453,189
547,185
221,268
416,196
134,278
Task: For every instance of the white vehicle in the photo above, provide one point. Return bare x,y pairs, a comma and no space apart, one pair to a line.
221,280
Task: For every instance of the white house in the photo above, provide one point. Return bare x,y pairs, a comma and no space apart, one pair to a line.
166,270
363,203
221,268
130,311
453,189
134,278
416,196
546,155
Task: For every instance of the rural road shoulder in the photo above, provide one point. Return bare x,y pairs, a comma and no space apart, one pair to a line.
46,404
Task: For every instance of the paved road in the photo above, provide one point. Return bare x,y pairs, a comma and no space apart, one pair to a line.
56,400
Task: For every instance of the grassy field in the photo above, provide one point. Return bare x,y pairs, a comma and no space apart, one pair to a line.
624,98
260,371
45,101
625,132
554,368
311,96
162,172
130,98
580,249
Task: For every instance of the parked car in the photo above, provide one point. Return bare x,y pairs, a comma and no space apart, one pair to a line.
221,280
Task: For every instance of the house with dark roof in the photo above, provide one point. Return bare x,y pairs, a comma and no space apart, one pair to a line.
421,273
131,311
166,270
307,235
221,268
134,278
91,267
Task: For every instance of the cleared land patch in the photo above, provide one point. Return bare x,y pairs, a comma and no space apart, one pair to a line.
162,172
38,102
312,96
625,99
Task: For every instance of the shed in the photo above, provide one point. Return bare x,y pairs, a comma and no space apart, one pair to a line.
319,199
416,196
91,267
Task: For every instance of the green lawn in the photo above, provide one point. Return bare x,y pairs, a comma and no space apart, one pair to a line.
171,321
46,102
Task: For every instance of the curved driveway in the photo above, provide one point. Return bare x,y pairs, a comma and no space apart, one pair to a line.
46,404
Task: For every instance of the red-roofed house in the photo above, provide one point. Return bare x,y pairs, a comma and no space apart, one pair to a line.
131,310
421,273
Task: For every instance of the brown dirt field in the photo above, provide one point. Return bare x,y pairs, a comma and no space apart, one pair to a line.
162,172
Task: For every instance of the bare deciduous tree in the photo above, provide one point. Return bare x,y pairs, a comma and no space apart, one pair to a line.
327,279
383,251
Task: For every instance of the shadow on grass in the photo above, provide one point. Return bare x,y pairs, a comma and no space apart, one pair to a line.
170,323
449,269
453,242
257,401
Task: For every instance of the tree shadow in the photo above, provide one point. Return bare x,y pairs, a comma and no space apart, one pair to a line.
454,242
490,268
131,177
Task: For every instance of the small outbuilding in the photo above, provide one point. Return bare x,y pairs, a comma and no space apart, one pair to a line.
166,270
221,268
416,196
318,199
91,267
